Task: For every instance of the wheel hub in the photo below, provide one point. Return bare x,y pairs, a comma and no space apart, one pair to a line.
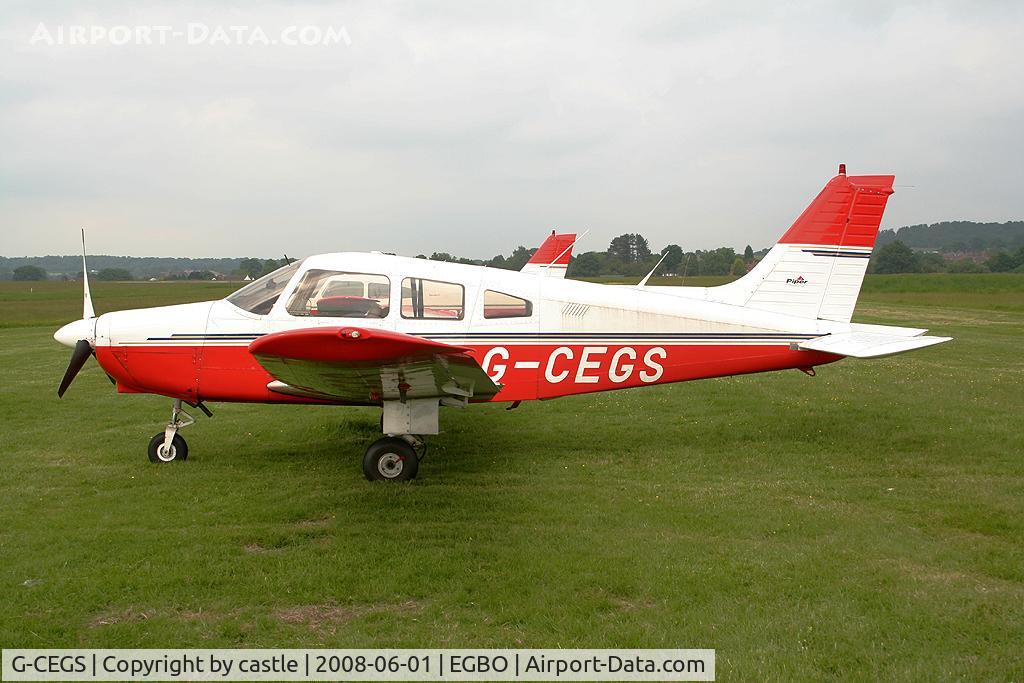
390,465
166,454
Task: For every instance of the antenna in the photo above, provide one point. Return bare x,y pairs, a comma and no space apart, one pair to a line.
87,309
648,276
567,249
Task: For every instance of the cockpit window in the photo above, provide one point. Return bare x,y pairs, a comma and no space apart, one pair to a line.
260,295
337,294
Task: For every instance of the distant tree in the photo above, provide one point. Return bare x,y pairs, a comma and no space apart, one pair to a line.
932,262
1000,262
252,267
26,273
630,248
641,250
587,264
748,254
739,267
673,254
1018,259
270,265
518,259
442,256
715,262
496,262
114,275
965,266
621,247
896,257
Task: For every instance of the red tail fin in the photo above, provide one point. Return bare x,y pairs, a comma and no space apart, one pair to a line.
847,213
552,258
556,250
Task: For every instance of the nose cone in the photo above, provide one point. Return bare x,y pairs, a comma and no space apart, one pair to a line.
72,332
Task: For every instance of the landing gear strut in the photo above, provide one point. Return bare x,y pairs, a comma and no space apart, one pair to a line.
396,457
168,445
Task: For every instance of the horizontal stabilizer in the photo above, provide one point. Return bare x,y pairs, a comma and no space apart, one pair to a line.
868,344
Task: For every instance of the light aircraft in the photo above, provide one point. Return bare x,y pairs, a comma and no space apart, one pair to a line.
411,335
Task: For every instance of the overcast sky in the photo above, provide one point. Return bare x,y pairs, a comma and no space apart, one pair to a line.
473,127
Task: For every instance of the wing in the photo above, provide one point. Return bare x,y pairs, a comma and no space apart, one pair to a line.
369,366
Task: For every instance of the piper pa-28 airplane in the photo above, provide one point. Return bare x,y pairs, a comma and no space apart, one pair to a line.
412,335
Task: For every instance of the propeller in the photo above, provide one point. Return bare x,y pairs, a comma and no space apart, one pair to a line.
81,353
80,334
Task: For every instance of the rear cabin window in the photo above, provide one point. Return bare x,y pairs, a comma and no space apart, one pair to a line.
501,305
335,294
432,300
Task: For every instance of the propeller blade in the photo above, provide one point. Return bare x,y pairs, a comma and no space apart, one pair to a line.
87,309
80,354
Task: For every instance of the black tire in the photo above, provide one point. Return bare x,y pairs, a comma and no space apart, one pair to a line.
179,449
390,459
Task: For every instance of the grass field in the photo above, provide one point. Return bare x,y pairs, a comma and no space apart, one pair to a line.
864,524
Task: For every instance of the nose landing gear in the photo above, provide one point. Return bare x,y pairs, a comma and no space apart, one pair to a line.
168,445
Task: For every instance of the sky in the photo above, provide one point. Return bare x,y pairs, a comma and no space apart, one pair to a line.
474,127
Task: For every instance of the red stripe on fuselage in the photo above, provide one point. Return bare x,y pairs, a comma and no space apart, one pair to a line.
231,373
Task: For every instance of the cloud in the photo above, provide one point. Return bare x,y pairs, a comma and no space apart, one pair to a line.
475,127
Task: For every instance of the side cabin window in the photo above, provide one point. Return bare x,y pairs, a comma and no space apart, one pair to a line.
501,305
335,294
432,300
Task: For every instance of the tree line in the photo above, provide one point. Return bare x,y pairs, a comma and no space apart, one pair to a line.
630,255
251,268
898,257
950,246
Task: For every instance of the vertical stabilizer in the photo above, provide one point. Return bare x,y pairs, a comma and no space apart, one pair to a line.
552,258
817,267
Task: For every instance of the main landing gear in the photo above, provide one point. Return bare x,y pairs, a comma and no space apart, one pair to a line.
396,457
393,458
168,445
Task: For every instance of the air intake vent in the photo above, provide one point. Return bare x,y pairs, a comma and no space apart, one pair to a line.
575,310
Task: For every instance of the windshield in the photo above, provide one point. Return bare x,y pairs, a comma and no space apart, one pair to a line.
259,296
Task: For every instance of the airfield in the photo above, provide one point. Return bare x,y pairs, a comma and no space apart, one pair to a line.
866,523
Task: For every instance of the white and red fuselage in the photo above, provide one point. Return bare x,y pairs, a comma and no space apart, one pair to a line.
535,336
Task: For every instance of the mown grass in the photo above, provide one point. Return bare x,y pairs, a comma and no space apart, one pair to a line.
863,524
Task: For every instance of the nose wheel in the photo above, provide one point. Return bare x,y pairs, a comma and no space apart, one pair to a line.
391,459
168,445
158,452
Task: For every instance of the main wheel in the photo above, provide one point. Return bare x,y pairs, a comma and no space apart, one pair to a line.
390,459
177,451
